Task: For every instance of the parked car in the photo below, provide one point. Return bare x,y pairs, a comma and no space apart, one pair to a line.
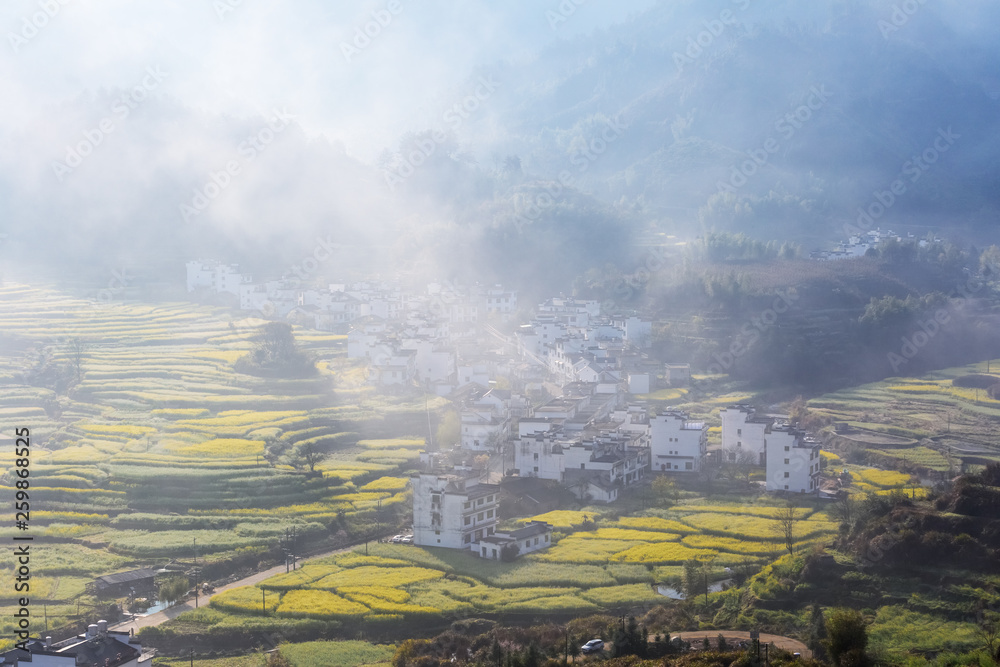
593,646
396,539
407,539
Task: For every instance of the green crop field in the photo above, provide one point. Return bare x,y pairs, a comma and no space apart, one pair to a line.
161,448
157,447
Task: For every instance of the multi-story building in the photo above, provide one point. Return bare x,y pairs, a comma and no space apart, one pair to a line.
677,444
215,276
743,430
596,465
793,460
453,511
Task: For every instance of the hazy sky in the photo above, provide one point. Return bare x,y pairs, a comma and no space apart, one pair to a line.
246,57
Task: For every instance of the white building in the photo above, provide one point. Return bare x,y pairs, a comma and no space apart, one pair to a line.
792,460
497,302
215,276
98,647
743,430
434,361
677,444
398,369
452,511
595,467
535,536
541,454
638,332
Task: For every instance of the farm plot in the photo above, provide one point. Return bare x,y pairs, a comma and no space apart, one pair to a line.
156,442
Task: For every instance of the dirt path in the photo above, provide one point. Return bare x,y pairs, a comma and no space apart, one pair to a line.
787,643
203,600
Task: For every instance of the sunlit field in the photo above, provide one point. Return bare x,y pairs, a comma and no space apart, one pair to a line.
159,448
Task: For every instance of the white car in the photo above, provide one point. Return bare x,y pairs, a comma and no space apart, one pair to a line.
396,539
593,646
407,539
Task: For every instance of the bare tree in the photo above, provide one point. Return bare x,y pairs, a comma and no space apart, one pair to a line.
738,463
77,353
786,520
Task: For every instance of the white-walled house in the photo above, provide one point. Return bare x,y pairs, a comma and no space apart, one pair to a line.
677,444
793,460
216,276
98,647
743,430
434,362
452,511
398,369
534,536
638,332
541,455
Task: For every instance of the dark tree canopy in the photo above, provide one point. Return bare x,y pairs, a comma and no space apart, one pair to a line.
275,354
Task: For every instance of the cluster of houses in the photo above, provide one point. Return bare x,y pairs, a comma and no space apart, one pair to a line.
442,338
859,244
596,447
594,439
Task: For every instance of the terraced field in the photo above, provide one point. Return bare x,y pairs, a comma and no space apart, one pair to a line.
928,422
615,564
156,441
160,444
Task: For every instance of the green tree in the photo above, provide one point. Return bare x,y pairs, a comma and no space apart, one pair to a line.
630,639
449,430
847,638
275,353
664,491
173,589
817,632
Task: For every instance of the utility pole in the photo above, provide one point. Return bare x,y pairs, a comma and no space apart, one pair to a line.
197,574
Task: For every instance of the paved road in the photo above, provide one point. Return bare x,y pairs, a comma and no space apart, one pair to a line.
203,600
787,643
